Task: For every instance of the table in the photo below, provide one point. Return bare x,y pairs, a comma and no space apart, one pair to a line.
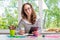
5,37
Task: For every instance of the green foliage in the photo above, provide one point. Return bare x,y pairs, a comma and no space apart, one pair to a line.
52,14
11,15
14,3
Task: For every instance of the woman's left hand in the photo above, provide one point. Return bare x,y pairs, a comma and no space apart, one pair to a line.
36,33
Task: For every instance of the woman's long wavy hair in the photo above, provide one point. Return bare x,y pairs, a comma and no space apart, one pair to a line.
33,14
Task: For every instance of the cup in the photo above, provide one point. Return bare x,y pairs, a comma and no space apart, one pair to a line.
12,32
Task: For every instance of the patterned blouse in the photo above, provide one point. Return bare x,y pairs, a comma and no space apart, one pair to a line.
25,25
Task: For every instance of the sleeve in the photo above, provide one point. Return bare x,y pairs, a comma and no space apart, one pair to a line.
20,26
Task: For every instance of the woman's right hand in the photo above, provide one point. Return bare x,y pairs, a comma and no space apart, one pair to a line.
21,32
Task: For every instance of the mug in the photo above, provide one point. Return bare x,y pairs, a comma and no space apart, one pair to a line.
12,32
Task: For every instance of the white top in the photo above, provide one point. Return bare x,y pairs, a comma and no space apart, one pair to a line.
25,25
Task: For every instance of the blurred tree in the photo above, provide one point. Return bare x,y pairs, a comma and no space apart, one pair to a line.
11,14
52,14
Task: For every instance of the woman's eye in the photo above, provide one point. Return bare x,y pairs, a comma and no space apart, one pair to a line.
28,8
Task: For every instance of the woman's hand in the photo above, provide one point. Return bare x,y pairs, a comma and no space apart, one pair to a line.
36,33
21,32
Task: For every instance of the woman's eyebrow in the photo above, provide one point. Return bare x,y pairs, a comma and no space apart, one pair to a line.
27,8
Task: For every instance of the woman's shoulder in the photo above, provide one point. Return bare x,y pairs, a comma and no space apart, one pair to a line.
21,21
27,22
24,21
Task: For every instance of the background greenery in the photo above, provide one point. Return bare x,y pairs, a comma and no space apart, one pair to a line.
52,14
10,14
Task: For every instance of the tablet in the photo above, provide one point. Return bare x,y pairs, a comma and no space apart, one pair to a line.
32,29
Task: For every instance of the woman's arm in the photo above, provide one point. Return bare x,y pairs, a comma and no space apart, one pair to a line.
20,28
37,32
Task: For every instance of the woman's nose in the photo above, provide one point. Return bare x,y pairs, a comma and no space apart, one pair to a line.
27,11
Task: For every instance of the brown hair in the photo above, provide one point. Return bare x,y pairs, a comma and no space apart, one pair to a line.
33,15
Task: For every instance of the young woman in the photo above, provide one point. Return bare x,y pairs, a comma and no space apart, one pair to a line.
29,19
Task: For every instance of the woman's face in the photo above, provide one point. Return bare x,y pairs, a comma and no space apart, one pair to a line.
27,10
